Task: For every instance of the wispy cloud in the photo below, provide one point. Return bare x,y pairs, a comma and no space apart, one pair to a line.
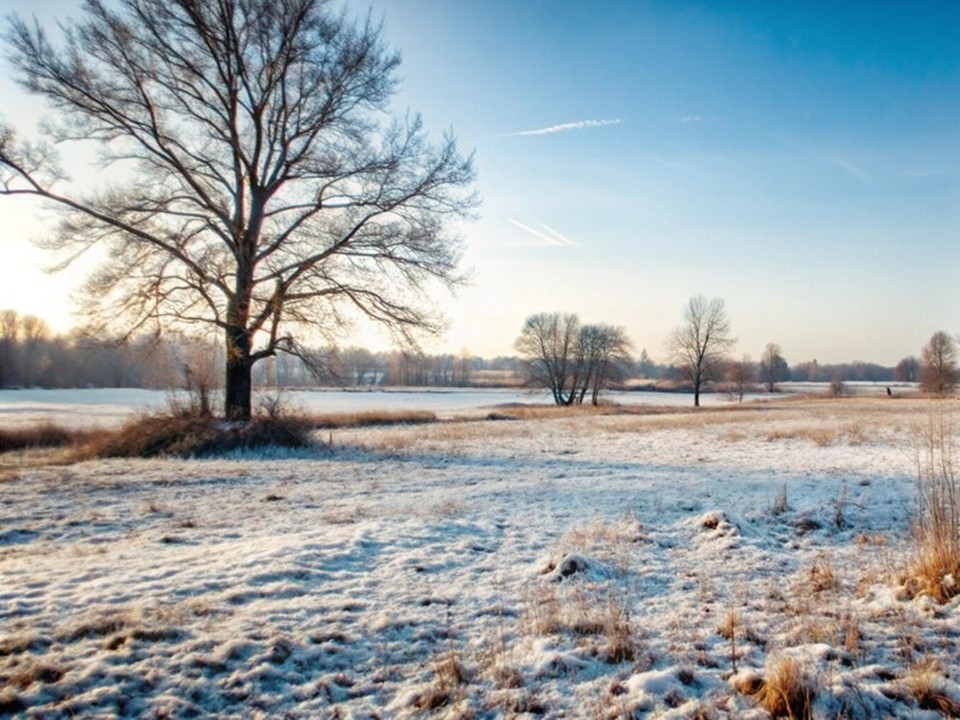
546,235
691,119
564,127
851,168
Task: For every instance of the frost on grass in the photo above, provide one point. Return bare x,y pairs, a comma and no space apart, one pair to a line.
659,570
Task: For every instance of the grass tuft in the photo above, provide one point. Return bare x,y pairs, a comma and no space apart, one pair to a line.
936,566
786,690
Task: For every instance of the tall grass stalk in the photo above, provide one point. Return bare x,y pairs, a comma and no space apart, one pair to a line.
937,517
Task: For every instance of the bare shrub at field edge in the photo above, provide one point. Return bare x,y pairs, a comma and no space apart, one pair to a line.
935,570
43,435
198,435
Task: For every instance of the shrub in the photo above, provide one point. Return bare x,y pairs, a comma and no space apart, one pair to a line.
44,435
198,435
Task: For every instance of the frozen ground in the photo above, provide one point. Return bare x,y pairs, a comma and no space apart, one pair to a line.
581,566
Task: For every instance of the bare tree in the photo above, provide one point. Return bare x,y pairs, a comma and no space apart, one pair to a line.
603,352
700,343
257,185
773,368
938,365
548,346
907,370
571,360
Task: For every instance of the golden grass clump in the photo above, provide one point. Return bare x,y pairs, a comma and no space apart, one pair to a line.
784,691
372,418
925,683
935,570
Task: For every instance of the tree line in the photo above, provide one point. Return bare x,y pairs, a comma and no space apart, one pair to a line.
572,360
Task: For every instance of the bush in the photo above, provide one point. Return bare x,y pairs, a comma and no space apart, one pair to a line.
198,435
45,435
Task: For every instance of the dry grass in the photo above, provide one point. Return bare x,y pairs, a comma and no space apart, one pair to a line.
819,436
936,566
197,436
372,418
445,690
821,574
613,542
925,683
43,435
786,690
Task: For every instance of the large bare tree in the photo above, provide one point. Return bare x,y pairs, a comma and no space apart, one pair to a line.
699,345
258,184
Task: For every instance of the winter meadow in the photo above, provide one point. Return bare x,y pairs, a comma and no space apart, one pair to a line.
331,410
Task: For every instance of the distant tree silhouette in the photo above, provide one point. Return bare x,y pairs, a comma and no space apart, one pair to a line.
773,368
938,364
700,344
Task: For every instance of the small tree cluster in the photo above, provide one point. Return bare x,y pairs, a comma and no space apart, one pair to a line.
570,359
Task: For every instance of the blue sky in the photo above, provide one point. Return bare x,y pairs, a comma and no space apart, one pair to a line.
799,160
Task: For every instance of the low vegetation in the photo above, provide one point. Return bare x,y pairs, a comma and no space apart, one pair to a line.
199,436
44,435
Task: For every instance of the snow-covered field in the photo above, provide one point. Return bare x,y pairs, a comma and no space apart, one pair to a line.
576,566
106,407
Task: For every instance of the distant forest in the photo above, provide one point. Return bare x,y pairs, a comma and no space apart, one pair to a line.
32,356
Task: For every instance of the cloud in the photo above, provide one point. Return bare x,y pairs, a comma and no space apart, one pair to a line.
546,236
691,119
851,168
563,127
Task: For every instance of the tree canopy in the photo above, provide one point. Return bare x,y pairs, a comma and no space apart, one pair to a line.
258,184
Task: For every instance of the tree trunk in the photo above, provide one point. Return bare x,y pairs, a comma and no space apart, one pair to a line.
696,392
238,385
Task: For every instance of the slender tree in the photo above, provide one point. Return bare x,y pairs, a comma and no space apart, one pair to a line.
603,352
257,183
700,344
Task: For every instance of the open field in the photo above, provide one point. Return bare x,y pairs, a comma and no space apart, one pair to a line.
575,564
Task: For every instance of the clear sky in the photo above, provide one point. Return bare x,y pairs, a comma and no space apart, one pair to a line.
799,160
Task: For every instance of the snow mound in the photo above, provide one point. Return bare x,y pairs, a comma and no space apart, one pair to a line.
569,565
